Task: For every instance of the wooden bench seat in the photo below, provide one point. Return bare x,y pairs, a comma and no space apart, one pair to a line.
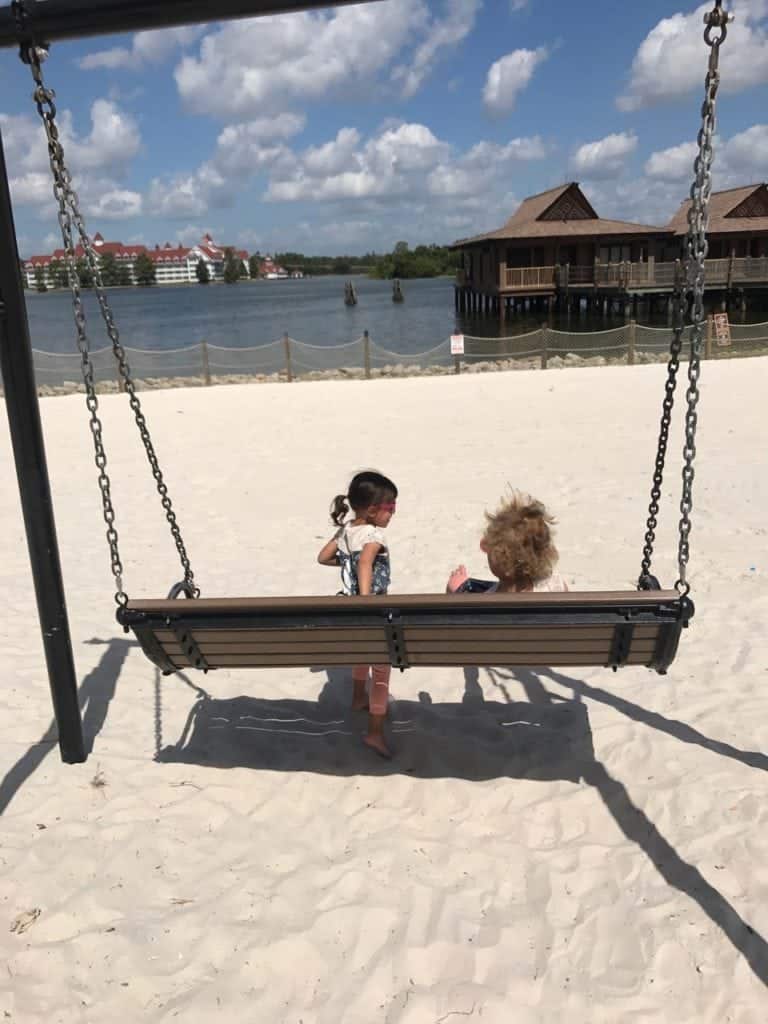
601,628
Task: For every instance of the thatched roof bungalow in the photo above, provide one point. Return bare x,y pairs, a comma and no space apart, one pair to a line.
556,242
553,229
738,222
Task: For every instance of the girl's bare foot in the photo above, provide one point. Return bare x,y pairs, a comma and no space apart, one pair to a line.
375,737
377,743
359,695
458,577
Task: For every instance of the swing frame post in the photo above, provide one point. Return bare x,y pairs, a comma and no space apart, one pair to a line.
34,485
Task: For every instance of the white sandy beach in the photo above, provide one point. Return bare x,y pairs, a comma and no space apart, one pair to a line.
547,846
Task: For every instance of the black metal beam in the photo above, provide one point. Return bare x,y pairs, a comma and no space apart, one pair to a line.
34,487
50,20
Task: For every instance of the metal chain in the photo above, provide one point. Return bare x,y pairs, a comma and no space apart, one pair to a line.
696,253
69,213
697,246
680,301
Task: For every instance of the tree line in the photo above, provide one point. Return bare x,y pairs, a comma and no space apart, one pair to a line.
402,262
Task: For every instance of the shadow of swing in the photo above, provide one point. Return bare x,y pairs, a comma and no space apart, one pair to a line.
474,739
544,738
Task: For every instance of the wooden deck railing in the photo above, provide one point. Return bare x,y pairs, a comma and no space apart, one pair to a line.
530,278
720,272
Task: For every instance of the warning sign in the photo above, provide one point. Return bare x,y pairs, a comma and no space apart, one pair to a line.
457,344
722,329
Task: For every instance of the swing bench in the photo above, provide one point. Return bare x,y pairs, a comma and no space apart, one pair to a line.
610,628
571,629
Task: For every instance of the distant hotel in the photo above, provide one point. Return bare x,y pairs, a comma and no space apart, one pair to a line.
173,264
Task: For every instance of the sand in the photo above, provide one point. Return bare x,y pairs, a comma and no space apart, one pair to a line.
546,845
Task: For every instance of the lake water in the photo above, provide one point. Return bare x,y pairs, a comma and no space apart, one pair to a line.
311,310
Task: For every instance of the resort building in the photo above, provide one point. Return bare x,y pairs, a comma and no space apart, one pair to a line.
173,264
555,249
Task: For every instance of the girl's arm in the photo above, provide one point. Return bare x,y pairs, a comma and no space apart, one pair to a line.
329,553
365,567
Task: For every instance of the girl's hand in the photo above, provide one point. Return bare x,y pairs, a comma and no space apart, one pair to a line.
457,579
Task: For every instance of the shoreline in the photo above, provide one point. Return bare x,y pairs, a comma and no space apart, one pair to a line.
393,371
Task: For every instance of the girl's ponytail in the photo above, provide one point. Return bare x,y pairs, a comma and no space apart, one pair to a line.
339,509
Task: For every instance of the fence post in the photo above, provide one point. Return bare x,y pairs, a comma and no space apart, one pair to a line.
708,339
367,354
631,340
288,365
206,364
457,364
544,345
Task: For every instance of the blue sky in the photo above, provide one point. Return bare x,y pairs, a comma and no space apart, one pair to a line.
346,130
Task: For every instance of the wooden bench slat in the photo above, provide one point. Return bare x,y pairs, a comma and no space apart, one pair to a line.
440,602
306,634
412,634
489,659
449,645
491,633
380,652
360,650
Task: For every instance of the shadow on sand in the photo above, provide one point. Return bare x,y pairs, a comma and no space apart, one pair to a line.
94,695
473,739
546,737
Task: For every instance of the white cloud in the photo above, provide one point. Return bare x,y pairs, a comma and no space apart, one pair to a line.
508,76
604,158
332,157
672,164
113,141
639,200
744,157
442,34
480,167
672,59
268,63
518,5
150,47
740,160
406,160
98,161
116,204
242,150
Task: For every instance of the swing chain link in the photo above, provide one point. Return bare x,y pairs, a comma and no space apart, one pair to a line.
69,211
697,249
691,282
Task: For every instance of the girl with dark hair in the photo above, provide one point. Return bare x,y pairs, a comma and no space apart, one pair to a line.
359,547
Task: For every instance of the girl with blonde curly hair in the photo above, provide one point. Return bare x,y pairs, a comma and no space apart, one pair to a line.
518,543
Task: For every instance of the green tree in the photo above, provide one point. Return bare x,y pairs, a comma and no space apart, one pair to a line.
233,266
145,270
202,272
84,275
254,266
40,284
124,275
58,274
109,269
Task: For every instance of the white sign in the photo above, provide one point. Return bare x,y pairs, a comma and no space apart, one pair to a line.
722,329
457,344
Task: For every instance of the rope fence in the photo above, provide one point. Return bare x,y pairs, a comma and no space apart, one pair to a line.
288,359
